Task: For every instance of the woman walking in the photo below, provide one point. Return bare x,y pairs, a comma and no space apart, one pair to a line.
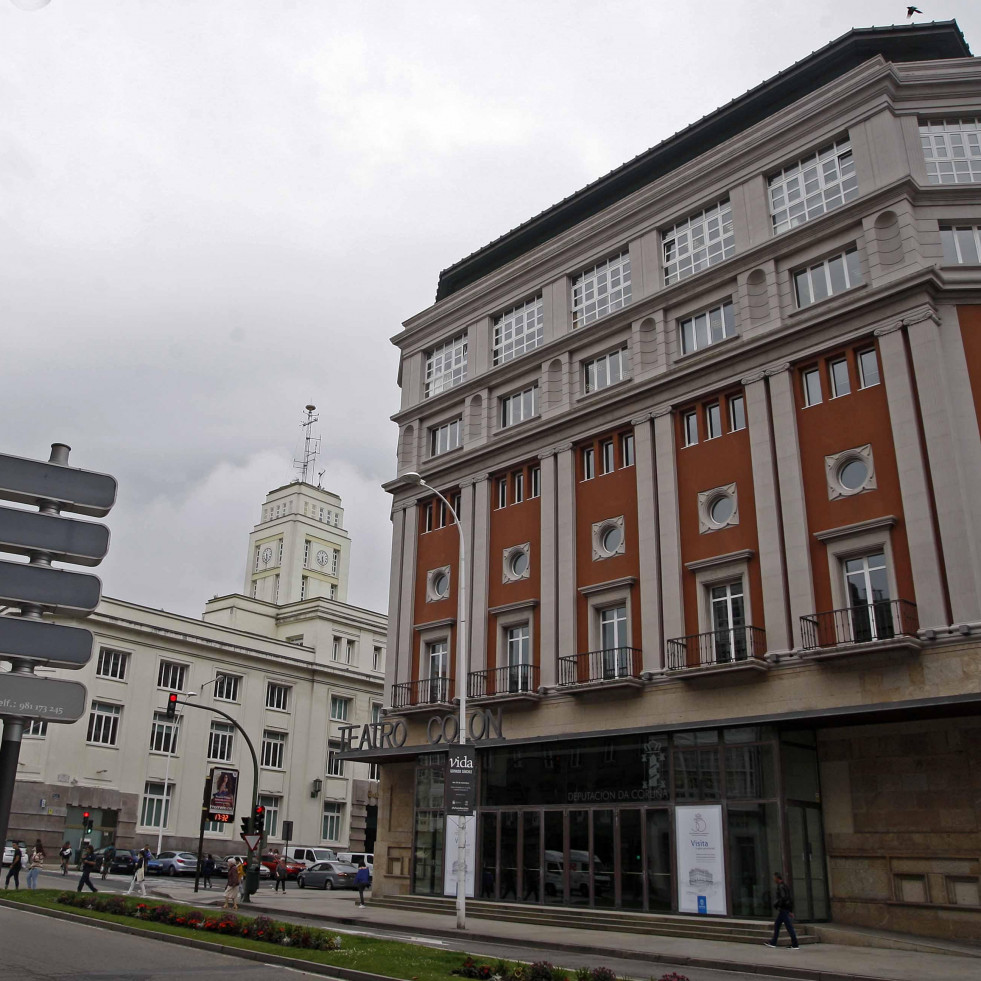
15,865
139,874
231,889
280,874
37,863
65,853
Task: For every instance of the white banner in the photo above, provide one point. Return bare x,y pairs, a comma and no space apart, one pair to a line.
454,825
701,860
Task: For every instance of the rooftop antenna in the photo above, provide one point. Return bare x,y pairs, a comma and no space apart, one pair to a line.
320,478
311,446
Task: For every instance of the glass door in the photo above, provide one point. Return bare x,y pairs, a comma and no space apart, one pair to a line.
631,859
509,855
488,856
808,867
531,850
659,878
613,637
729,622
604,858
555,857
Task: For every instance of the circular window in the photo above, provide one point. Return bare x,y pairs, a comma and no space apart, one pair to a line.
441,584
853,474
611,539
519,563
720,510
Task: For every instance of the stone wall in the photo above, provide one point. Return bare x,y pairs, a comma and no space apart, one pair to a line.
393,846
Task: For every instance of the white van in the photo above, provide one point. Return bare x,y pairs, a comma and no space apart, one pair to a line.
356,858
310,853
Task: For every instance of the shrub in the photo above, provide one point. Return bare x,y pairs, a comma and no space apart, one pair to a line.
602,974
672,976
541,971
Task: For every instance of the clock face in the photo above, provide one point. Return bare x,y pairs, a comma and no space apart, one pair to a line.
322,557
266,554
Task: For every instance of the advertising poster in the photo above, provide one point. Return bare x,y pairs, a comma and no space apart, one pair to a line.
701,860
454,827
224,786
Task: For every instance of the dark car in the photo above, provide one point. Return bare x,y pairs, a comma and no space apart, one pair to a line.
328,875
123,862
293,867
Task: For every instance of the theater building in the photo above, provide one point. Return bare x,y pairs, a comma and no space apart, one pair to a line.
711,426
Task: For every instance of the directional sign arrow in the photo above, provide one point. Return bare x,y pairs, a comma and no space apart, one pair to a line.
50,699
81,491
252,841
45,642
81,542
58,590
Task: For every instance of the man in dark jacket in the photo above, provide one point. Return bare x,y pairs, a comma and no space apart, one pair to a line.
784,905
88,867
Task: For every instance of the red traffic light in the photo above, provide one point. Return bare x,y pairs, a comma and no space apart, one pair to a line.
259,810
85,814
172,705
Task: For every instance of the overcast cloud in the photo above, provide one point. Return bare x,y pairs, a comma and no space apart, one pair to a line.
215,211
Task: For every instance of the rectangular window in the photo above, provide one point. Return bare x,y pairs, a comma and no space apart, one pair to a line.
349,649
104,724
306,553
840,385
340,708
728,622
155,809
272,806
601,290
519,486
35,729
304,580
536,481
332,821
277,696
376,658
335,651
273,749
812,386
835,275
707,328
961,244
812,186
519,407
868,368
163,734
737,413
226,687
588,464
446,365
438,656
698,242
606,456
444,438
220,742
952,150
171,676
427,517
627,450
518,645
280,560
713,420
867,589
604,371
518,331
112,664
689,422
335,766
502,492
255,568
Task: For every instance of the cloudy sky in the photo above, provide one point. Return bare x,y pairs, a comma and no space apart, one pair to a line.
215,211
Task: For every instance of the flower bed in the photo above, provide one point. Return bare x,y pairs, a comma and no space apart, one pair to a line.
260,928
542,971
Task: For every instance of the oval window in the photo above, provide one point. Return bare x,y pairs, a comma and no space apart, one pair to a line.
441,584
519,563
612,539
853,474
720,510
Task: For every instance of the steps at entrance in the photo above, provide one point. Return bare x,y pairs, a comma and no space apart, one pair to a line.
659,924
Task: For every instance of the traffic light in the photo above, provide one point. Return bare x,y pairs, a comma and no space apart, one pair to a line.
259,824
172,705
247,825
87,823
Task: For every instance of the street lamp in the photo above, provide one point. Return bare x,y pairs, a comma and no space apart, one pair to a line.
462,661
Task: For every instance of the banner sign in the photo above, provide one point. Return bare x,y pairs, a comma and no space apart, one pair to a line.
701,859
461,781
455,826
224,788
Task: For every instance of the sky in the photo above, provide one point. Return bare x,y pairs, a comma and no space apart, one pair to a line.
213,212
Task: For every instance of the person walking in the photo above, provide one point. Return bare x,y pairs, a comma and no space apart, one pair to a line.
207,871
242,884
37,863
280,874
784,905
231,889
362,879
65,853
16,862
88,867
139,874
108,857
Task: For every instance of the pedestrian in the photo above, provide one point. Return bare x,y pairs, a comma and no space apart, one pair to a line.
139,874
15,866
207,871
280,874
88,867
37,863
65,853
242,885
784,905
362,879
231,890
108,856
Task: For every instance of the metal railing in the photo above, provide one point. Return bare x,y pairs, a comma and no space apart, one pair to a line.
716,647
879,620
607,665
509,680
426,691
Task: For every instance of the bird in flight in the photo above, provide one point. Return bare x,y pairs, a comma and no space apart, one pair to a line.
913,10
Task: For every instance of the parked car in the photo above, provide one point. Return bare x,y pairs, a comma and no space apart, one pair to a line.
153,865
356,858
8,851
310,853
293,867
328,875
124,861
221,866
177,863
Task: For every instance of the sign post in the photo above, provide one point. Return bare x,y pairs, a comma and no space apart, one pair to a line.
35,589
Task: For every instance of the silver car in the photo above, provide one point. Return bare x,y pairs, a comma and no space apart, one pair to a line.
328,875
177,863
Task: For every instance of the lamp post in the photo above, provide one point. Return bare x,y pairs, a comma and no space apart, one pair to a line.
462,662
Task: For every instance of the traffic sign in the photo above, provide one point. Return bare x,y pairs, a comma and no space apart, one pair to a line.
80,491
56,589
67,539
45,642
252,841
49,699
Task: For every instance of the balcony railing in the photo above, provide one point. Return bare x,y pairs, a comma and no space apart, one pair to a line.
716,647
608,665
880,620
427,691
512,679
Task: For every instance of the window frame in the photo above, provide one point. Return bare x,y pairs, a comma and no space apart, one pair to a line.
607,457
272,687
519,407
219,689
934,130
272,748
677,242
453,430
593,296
591,371
504,348
713,421
834,382
587,458
445,365
862,376
953,245
780,182
731,402
164,734
96,729
813,371
119,662
158,803
168,667
536,482
344,703
824,266
333,811
335,766
726,323
689,428
223,736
